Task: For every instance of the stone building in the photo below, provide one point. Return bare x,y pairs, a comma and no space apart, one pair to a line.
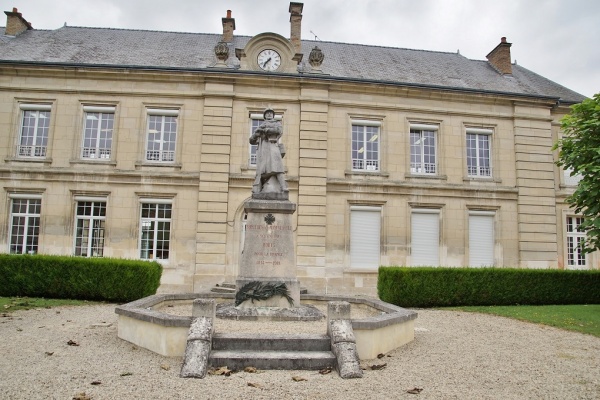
134,144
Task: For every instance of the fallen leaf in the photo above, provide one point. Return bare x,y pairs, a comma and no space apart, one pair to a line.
250,370
389,356
380,355
49,353
255,385
166,367
19,330
96,383
126,373
376,367
415,390
58,312
41,326
298,379
81,396
220,371
5,315
326,371
72,343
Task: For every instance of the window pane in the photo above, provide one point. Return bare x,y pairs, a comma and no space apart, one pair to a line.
155,231
25,226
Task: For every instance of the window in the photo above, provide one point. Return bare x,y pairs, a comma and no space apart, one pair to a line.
25,224
575,242
425,232
89,228
365,145
162,135
571,180
481,238
155,237
365,228
479,152
255,121
97,132
423,149
35,124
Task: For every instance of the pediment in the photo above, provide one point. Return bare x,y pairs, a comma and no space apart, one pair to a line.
248,56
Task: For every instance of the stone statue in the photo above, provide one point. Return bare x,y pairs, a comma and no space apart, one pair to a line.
270,174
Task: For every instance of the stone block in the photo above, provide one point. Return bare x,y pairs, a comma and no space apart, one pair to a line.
340,330
202,328
195,360
204,308
348,364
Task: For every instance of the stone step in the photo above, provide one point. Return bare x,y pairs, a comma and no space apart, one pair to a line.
227,285
221,289
270,342
290,360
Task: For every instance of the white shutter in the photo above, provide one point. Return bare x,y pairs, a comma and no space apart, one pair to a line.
425,230
481,239
365,228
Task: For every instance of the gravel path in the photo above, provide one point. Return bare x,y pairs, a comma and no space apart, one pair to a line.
454,355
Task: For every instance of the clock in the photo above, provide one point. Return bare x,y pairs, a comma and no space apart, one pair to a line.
269,60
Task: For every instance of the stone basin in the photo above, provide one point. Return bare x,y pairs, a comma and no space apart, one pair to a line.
145,323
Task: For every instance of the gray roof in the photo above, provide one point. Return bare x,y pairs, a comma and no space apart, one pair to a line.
194,51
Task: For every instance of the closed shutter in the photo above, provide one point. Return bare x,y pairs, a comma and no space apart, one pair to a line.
481,239
425,231
365,228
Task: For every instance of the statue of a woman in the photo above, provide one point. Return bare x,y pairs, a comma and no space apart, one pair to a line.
269,156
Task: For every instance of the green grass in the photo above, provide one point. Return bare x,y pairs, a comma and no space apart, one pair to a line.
9,304
579,318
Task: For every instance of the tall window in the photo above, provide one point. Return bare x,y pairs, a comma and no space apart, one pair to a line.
365,146
569,179
425,231
155,237
97,132
365,237
575,242
255,121
89,228
423,149
25,225
481,238
479,152
35,124
162,135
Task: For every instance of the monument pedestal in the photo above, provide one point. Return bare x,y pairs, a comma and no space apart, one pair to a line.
268,256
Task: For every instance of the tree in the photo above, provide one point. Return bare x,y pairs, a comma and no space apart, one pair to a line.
579,151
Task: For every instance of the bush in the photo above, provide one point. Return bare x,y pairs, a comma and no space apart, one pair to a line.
440,287
63,277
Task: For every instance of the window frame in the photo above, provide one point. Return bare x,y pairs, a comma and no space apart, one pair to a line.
97,153
91,236
474,239
422,168
437,215
364,161
35,150
151,252
479,133
574,241
356,261
164,156
27,215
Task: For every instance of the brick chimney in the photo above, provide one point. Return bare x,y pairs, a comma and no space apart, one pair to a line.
500,57
295,25
228,27
15,23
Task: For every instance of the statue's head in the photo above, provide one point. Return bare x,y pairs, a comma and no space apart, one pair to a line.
269,114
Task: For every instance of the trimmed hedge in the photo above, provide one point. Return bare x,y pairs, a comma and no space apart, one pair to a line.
63,277
441,287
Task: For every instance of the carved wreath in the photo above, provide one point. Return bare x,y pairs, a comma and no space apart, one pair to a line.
256,290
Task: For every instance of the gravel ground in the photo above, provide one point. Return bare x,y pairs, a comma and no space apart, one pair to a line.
454,355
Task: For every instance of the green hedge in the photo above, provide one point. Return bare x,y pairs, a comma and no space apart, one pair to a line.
439,287
81,278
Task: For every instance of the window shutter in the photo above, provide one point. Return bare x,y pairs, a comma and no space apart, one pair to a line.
425,228
365,228
481,239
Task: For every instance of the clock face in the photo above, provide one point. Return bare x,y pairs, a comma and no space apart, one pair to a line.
269,60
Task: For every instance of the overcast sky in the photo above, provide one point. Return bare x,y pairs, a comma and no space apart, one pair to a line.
558,39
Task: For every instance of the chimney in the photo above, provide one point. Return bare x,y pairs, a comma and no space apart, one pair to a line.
500,57
15,23
228,27
295,25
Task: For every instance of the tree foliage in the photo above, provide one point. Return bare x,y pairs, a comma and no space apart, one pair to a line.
579,151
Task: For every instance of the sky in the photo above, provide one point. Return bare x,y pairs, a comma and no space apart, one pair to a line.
558,39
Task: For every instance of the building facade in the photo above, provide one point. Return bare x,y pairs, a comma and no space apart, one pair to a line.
134,144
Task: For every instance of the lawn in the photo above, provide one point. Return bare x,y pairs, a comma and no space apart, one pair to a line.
8,304
580,318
